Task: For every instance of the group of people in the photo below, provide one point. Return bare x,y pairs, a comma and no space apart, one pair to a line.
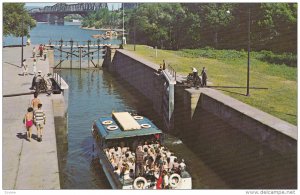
40,83
150,160
42,53
203,75
35,116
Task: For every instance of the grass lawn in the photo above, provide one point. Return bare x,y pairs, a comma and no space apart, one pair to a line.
280,99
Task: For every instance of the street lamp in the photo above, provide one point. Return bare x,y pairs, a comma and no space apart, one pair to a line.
249,48
123,37
22,53
248,67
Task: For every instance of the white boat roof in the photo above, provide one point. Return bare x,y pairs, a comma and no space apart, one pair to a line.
126,121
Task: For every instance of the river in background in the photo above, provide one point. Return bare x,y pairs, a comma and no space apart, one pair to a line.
44,32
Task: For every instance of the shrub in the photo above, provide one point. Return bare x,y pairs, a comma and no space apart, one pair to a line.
288,59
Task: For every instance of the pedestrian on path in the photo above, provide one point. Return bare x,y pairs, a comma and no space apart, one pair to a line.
45,52
28,120
39,121
41,50
34,66
33,52
35,101
25,68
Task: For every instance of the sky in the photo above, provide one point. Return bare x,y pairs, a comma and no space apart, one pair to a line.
110,5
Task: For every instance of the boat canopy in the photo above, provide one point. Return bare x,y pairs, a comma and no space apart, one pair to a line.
120,132
126,121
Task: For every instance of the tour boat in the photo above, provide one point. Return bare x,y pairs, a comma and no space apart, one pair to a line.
123,138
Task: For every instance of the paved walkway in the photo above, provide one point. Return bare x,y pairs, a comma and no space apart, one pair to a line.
25,165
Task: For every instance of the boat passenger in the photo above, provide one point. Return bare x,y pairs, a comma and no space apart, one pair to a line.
165,166
182,165
175,165
131,164
168,153
117,170
172,157
158,162
150,176
131,173
151,153
126,171
165,180
130,154
117,151
139,170
111,150
113,162
124,149
145,145
170,165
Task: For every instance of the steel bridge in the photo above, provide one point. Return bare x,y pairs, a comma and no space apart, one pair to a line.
57,12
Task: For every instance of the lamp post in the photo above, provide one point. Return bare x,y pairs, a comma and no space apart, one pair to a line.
123,37
22,53
249,44
249,49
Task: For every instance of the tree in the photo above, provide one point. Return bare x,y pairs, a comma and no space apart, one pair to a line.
14,14
278,24
216,16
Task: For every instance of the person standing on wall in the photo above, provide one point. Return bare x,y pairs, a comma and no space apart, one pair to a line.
204,77
164,65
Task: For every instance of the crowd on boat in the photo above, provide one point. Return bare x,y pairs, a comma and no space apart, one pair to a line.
150,160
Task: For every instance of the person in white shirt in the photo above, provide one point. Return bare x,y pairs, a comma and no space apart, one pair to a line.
165,180
182,165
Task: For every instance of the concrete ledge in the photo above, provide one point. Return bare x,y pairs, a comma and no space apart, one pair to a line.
263,127
256,114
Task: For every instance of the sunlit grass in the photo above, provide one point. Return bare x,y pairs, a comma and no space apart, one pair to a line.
280,99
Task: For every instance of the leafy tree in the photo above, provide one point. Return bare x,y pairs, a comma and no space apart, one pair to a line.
216,16
14,14
103,18
220,25
278,24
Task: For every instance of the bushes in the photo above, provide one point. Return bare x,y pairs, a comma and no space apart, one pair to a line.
208,52
288,59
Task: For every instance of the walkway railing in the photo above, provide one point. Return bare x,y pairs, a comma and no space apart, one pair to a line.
172,71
